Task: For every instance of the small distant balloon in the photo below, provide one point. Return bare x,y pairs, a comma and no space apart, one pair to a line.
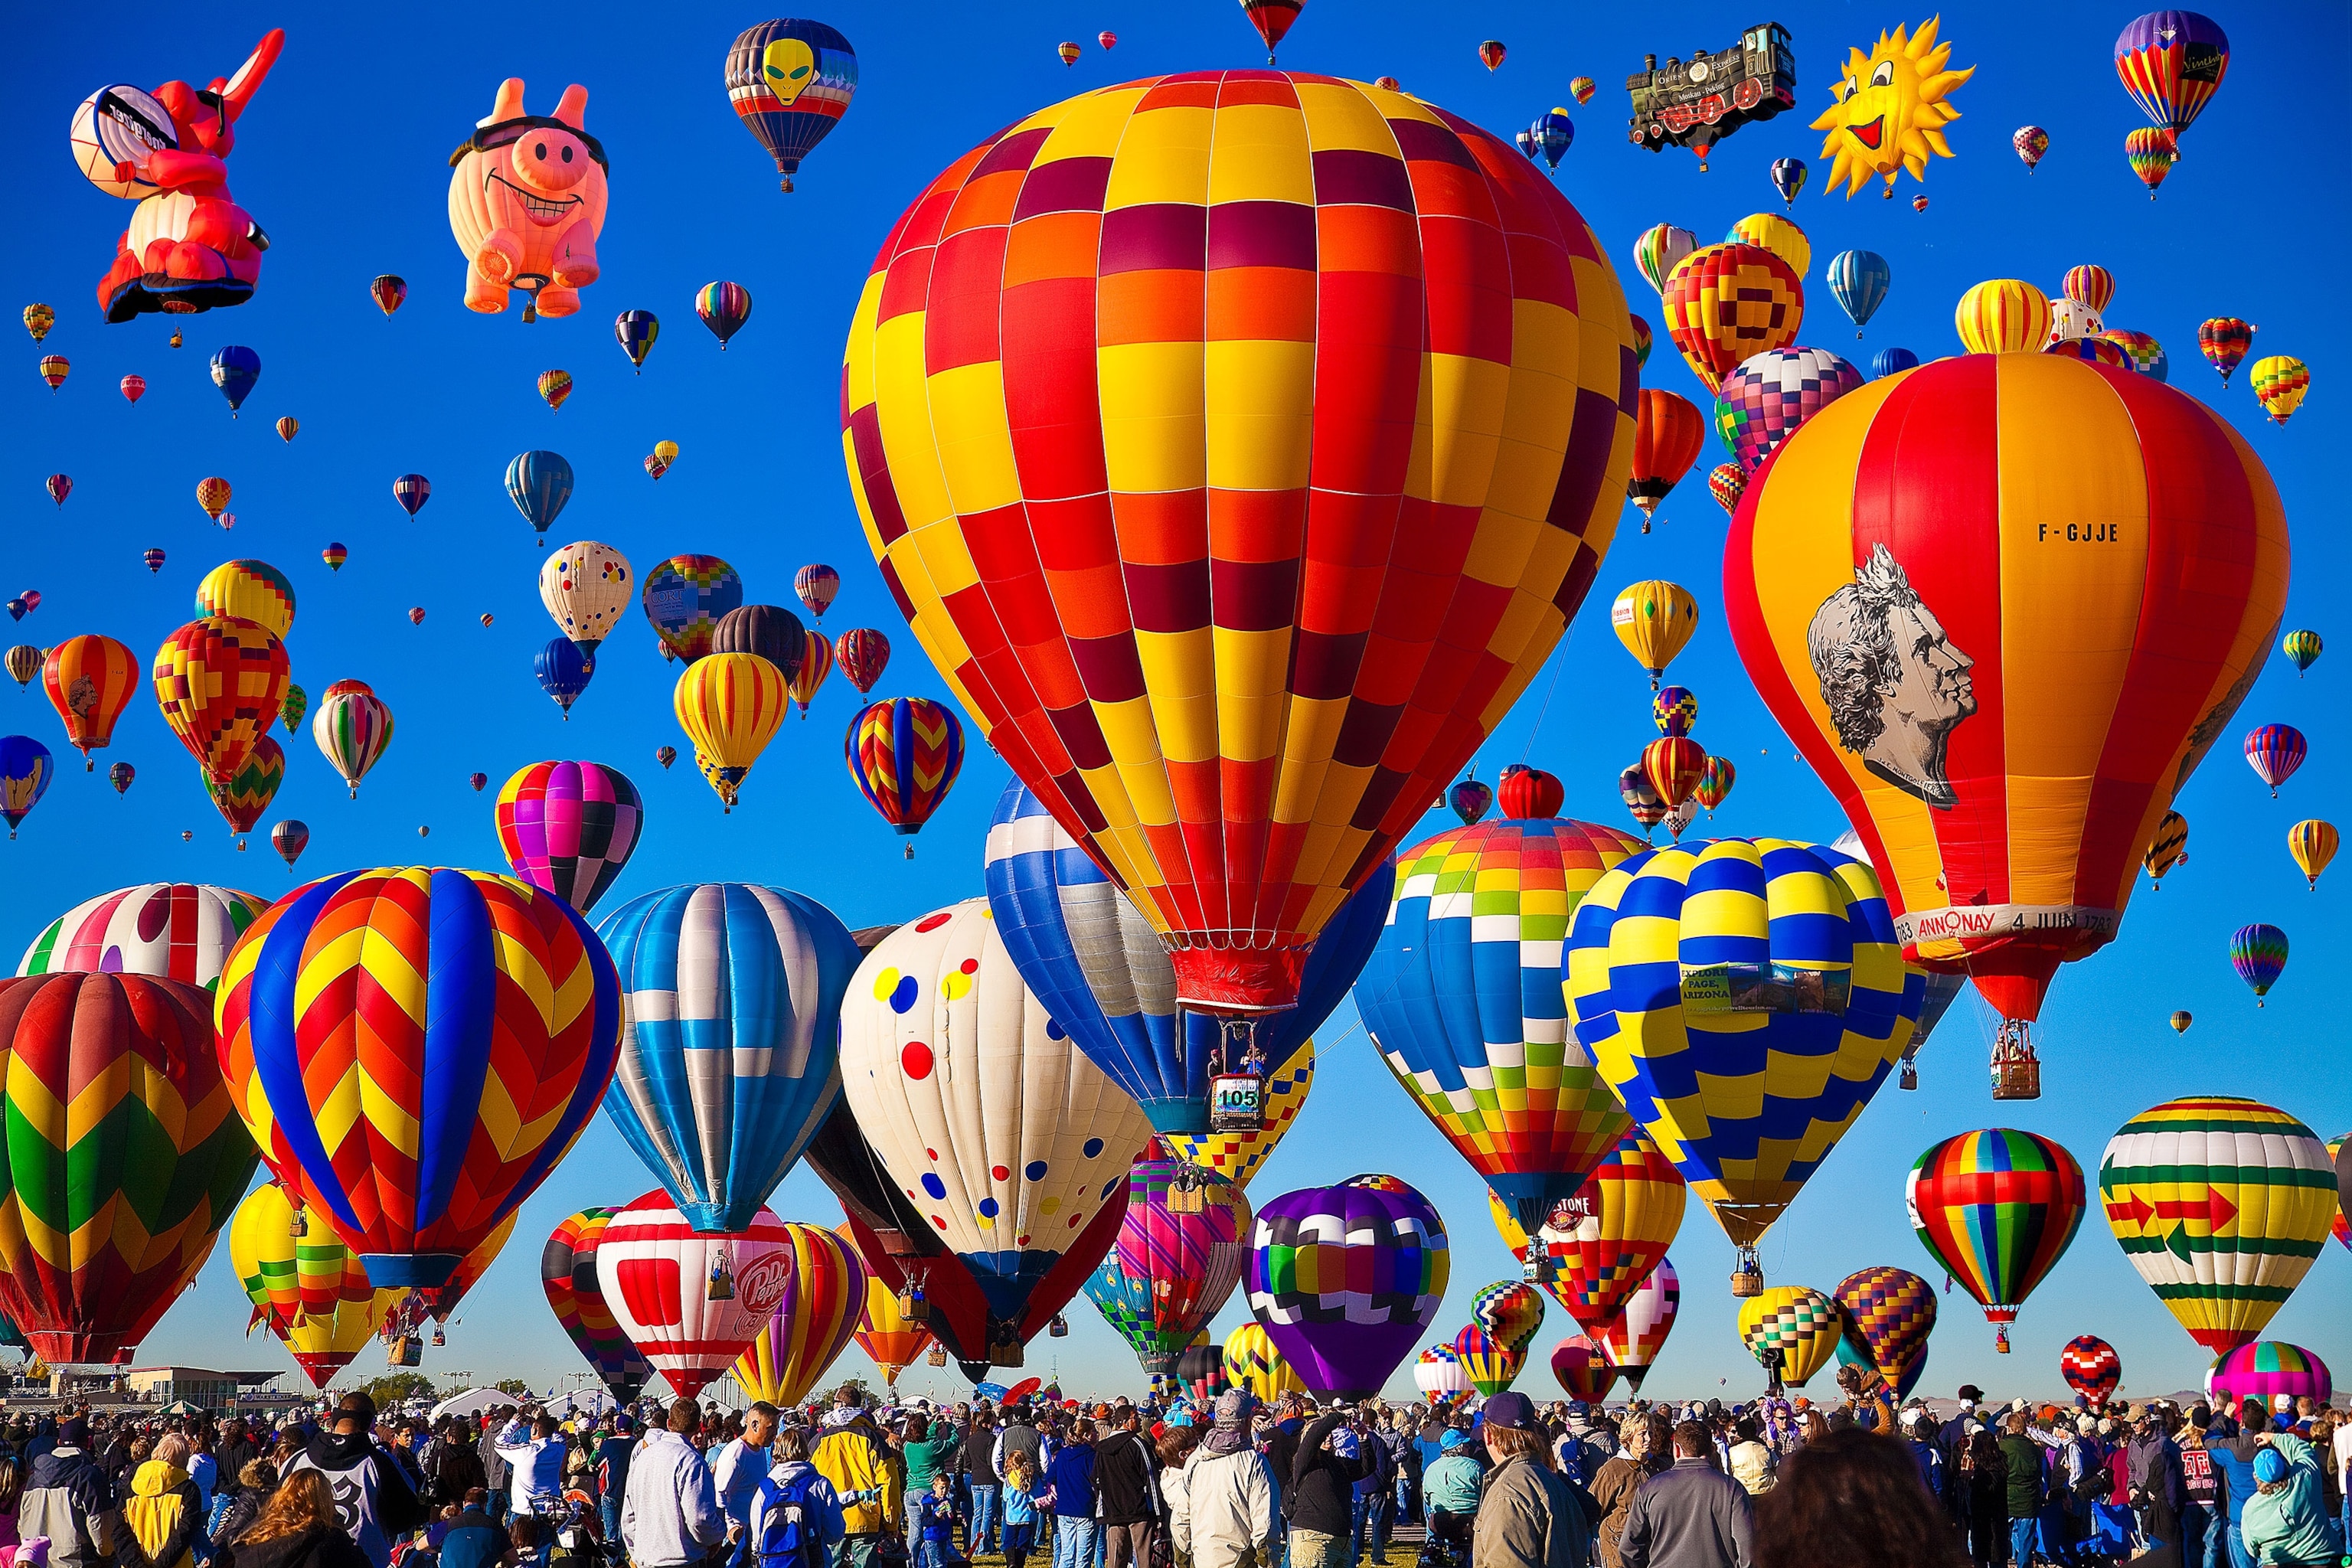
60,486
554,386
635,331
539,484
235,369
1107,39
120,776
134,387
286,425
155,558
55,368
411,492
724,308
2031,141
289,838
388,290
1892,361
478,781
213,494
665,755
38,320
1491,53
1581,89
1069,53
1919,204
334,555
2302,649
816,584
417,615
1788,178
2181,1021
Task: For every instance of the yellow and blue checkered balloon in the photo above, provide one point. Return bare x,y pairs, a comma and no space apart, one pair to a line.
1744,998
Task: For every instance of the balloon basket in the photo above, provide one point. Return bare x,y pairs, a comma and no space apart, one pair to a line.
2001,1341
936,1356
720,1287
1748,1277
1059,1329
914,1308
2016,1070
1910,1073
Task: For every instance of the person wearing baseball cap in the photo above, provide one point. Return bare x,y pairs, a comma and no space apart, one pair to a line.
1526,1515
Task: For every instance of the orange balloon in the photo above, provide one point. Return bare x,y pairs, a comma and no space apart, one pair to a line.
219,681
1668,432
90,679
1727,303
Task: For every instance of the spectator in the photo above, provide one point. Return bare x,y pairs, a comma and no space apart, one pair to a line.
1070,1492
981,1483
1751,1462
2284,1524
926,1451
164,1514
1854,1499
1319,1500
1019,1436
1528,1515
533,1449
736,1469
472,1539
255,1484
669,1514
527,1541
1646,1446
932,1522
1127,1493
299,1527
1020,1508
2234,1457
865,1480
1227,1513
2021,1491
1689,1516
370,1492
205,1470
1918,1432
613,1448
1175,1448
1449,1491
796,1519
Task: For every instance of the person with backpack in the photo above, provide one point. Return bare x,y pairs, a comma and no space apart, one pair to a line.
2022,1457
796,1519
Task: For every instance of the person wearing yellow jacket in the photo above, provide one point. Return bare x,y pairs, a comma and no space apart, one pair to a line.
163,1512
868,1478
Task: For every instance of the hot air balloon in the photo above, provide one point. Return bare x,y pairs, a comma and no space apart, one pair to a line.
388,290
731,997
1675,709
1772,232
817,663
1708,1078
1529,792
115,1106
153,559
2221,1204
2312,843
576,1291
1893,1310
563,672
1091,958
1241,1155
289,838
2270,1372
2172,63
863,654
1761,404
218,682
1172,1267
1715,783
1996,1210
55,368
904,753
172,930
970,1096
252,590
2004,315
2343,1227
242,797
1668,432
1642,801
1439,1376
352,730
292,706
691,1303
1661,249
568,827
2169,848
1641,341
684,598
1491,53
729,705
2279,384
235,369
1727,303
1272,18
89,681
586,586
1653,619
1490,1366
1069,52
1858,281
891,1340
1792,1331
724,308
816,585
1672,766
1467,1011
25,770
1217,970
1598,1247
806,1330
59,486
1583,1369
2141,351
2302,648
2031,141
2258,952
2151,154
1892,361
2223,341
1788,177
635,331
2275,751
1469,800
790,82
1344,1279
38,320
2091,1368
773,632
1818,565
1727,482
554,386
286,425
324,1339
1106,38
1550,135
415,1194
539,484
1254,1363
289,1267
23,663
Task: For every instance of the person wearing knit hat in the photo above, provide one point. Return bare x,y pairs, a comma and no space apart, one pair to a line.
1225,1512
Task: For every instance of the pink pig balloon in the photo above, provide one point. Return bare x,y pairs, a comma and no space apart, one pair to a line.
526,203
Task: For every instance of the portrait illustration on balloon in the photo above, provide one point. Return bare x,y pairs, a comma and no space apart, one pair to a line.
1894,683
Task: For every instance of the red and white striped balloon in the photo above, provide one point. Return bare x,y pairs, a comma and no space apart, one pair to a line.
656,1274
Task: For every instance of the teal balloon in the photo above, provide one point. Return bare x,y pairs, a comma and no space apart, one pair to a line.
1859,281
539,484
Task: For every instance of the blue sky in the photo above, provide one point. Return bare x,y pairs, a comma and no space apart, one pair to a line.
342,160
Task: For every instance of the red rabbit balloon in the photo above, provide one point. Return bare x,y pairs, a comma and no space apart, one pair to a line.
190,247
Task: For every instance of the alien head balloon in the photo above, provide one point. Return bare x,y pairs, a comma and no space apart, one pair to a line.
526,203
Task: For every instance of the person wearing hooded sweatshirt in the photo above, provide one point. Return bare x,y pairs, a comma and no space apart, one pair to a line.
2233,1459
851,1455
66,1498
2159,1491
2284,1523
298,1528
1225,1515
669,1514
1319,1501
164,1514
793,1483
372,1494
1449,1490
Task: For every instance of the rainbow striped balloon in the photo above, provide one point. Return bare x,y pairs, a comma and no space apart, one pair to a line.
575,1292
1996,1209
1491,1365
904,753
810,1326
482,1014
2270,1369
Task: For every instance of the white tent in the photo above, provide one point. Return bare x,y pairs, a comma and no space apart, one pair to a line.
589,1402
474,1402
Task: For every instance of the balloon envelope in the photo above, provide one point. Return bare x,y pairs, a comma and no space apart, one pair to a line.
575,1292
811,1325
1345,1280
731,1040
568,827
658,1271
172,931
1170,1271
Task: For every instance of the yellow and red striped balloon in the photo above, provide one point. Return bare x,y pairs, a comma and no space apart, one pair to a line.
218,682
810,1326
2006,315
413,1049
730,703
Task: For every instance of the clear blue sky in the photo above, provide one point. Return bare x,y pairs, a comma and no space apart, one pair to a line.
343,159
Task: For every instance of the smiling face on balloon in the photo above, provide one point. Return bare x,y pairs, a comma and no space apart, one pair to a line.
1890,109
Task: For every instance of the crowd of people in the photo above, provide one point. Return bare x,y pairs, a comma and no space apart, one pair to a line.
1236,1483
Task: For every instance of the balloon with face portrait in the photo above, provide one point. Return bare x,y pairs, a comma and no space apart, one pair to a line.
1890,109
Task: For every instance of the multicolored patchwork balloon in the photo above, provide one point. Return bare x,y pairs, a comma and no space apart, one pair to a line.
122,1152
1892,1311
1171,1270
1727,304
1762,402
807,1329
2270,1369
1238,1156
1512,1310
1634,1337
218,682
1792,1331
1996,1209
685,596
1439,1375
576,1291
570,827
1603,1244
504,1050
1346,1280
172,931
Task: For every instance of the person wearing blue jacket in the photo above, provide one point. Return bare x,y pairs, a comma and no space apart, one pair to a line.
2233,1461
776,1536
1070,1485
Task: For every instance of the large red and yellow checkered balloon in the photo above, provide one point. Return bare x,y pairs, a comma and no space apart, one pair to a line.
218,682
413,1049
1237,445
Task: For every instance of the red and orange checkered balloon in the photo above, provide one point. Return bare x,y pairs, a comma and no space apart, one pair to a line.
1727,304
413,1049
1238,445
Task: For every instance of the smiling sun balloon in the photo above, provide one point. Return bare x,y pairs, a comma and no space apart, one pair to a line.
1890,110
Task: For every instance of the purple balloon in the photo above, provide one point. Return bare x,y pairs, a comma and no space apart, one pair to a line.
1347,1280
1762,402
